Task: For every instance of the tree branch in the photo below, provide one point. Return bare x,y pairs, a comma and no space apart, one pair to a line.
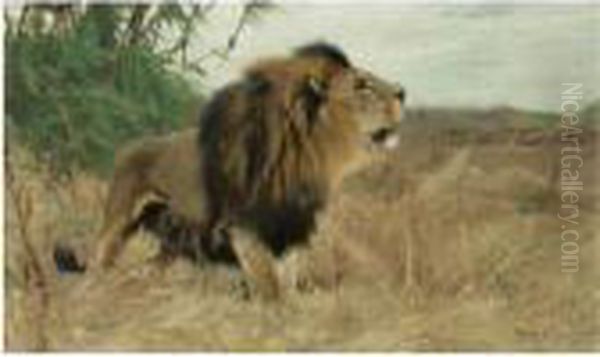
250,11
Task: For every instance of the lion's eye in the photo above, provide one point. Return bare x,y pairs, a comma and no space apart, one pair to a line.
362,84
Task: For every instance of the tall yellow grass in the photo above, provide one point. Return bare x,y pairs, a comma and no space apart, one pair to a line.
440,246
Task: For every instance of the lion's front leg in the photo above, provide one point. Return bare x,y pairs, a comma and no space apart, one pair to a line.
257,262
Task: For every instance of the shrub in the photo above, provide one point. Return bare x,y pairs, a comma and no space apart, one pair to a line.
73,96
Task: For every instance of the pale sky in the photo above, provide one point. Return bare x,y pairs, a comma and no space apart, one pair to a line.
452,55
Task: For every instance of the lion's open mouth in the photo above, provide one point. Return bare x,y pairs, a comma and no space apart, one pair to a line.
387,138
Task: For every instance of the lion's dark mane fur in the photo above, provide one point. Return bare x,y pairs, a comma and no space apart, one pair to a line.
240,141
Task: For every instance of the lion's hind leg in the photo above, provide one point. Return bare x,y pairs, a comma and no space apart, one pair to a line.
122,220
111,242
257,262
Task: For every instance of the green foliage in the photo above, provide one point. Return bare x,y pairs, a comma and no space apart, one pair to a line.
73,95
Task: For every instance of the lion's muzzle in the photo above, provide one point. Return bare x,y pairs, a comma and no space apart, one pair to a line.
387,138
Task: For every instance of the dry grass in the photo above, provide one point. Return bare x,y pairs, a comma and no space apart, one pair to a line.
444,245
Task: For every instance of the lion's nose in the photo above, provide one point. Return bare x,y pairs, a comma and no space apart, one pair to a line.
400,94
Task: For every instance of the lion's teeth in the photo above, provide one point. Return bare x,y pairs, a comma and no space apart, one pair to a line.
391,141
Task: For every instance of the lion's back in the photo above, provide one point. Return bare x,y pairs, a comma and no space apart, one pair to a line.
169,166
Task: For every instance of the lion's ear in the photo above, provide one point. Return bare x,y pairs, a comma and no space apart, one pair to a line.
316,86
314,94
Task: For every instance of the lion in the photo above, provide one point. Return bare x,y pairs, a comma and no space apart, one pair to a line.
248,182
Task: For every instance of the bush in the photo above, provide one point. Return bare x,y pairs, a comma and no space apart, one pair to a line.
73,96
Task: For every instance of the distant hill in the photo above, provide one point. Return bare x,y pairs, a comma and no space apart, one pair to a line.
462,125
592,112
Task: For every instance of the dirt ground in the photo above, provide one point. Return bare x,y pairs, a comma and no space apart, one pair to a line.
452,242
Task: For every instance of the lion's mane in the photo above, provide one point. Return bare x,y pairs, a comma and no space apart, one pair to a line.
268,150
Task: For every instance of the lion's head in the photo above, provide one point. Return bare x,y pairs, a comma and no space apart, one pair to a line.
275,142
374,104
